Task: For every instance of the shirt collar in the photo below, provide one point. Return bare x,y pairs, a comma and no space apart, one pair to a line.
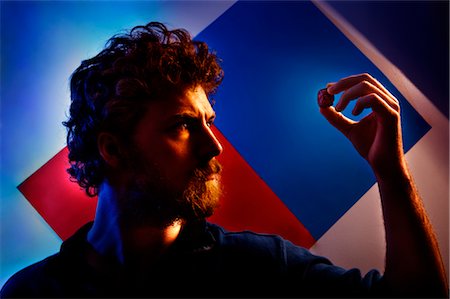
195,237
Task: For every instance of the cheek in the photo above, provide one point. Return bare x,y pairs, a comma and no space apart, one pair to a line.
177,151
176,159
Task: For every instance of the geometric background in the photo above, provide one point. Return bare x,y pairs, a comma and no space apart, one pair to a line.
273,70
275,56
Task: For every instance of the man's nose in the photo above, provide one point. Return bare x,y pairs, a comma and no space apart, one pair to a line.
209,143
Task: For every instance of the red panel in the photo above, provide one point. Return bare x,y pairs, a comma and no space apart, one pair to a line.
248,203
62,203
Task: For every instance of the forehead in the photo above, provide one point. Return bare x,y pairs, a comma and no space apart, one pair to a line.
193,101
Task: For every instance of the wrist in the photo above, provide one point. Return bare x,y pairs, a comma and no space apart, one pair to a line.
393,172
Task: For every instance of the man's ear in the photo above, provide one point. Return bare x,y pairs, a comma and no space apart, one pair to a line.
109,148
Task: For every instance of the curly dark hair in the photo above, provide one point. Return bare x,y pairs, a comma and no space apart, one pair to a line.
109,91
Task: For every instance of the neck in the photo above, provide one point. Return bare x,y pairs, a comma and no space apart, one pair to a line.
133,245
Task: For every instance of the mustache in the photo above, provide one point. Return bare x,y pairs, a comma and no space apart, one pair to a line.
212,167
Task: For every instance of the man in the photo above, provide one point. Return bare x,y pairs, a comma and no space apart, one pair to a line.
140,137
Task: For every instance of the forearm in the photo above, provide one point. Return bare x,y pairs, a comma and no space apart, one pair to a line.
413,262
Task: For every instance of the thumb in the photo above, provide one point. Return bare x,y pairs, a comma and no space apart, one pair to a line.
337,119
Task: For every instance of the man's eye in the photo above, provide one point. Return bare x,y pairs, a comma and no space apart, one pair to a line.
182,125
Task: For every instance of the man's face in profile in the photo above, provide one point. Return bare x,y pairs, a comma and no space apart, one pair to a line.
171,169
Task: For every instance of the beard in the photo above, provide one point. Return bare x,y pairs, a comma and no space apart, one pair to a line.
150,198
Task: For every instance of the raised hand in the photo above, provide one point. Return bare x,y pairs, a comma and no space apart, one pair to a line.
377,137
414,266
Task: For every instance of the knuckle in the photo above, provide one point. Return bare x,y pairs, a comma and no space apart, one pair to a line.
396,106
396,103
366,77
376,95
366,84
395,116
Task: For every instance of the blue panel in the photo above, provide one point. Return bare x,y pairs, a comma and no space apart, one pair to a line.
276,56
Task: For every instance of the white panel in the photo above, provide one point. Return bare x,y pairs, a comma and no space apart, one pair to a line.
357,239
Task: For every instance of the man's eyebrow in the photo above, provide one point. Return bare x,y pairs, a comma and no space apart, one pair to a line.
190,115
183,116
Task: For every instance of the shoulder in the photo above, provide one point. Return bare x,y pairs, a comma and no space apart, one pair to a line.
245,239
240,236
30,280
49,277
293,267
250,239
263,245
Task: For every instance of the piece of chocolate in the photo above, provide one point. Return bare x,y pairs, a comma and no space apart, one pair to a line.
324,98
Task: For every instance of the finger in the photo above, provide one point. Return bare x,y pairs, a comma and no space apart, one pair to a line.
337,120
379,85
378,105
348,82
361,89
384,93
344,83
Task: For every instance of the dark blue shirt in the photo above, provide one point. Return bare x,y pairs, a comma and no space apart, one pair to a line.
205,261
